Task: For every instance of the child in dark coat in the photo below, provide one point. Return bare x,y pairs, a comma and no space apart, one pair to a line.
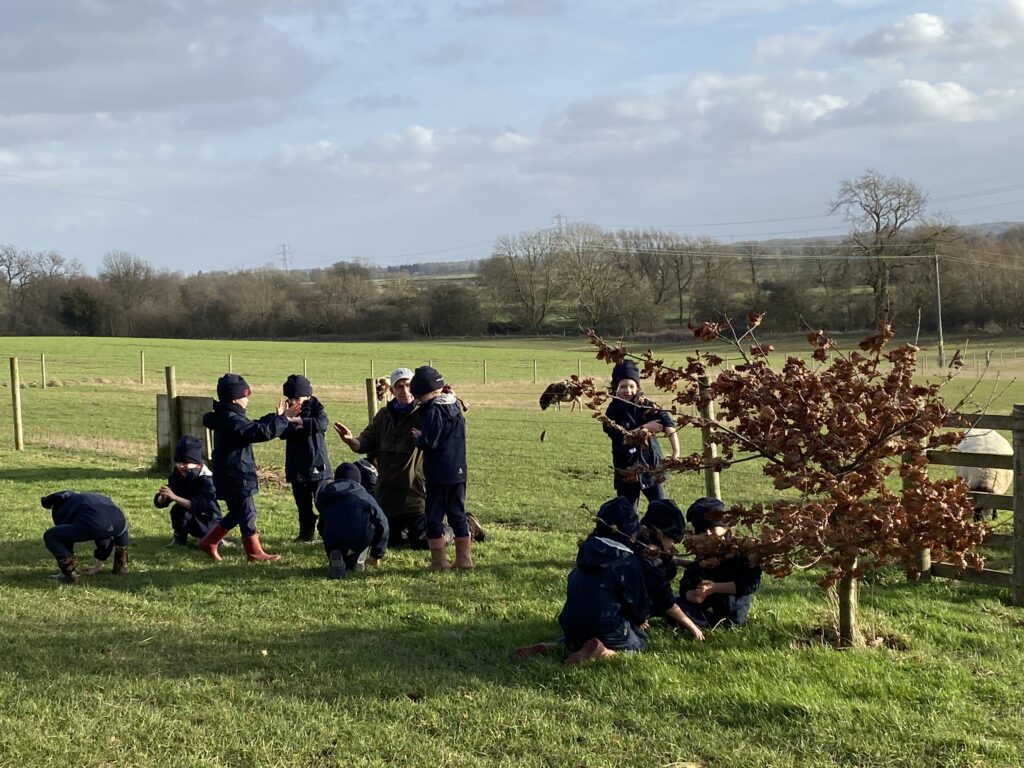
443,442
306,465
606,598
190,493
661,529
234,469
721,594
633,410
85,517
352,525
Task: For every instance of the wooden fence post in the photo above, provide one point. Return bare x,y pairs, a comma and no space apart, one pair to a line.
42,368
924,555
304,370
371,398
19,436
142,367
230,366
485,371
1018,505
372,374
172,407
579,368
712,478
534,371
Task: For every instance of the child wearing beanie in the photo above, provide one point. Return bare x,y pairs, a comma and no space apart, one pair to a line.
190,493
443,442
306,465
632,410
234,469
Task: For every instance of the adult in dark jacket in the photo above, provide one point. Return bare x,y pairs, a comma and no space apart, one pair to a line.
661,529
85,517
234,469
388,440
721,594
632,410
190,493
606,598
352,525
443,442
306,465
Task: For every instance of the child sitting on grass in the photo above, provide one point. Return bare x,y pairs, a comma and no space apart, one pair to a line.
190,493
723,593
352,525
606,603
443,442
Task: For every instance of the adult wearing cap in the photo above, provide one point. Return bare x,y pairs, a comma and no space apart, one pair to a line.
190,493
388,440
234,468
306,464
631,410
723,593
85,517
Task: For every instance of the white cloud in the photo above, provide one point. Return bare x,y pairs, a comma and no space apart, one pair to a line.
792,48
910,101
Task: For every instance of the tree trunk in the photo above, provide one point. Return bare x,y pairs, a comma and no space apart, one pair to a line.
849,632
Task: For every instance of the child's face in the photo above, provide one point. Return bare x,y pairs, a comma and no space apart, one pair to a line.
242,401
627,389
182,467
666,543
293,400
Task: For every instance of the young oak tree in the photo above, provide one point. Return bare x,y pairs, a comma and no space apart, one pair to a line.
832,433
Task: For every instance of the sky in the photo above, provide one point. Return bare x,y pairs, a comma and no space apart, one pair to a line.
208,134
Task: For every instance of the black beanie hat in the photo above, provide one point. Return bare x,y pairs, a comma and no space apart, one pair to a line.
704,513
297,386
54,500
625,370
620,513
189,449
665,516
425,379
347,471
231,386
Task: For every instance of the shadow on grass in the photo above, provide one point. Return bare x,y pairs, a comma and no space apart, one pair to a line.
68,477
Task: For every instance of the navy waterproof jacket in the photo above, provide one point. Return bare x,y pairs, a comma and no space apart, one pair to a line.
97,515
305,452
605,591
443,441
350,518
630,416
234,469
198,488
716,608
659,573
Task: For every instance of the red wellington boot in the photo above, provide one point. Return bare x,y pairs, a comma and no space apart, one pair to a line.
253,550
209,542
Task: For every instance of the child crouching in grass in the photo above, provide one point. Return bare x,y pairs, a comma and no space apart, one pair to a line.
352,525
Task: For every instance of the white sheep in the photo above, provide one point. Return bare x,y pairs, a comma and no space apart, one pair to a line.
985,479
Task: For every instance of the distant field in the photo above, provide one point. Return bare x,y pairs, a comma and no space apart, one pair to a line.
408,668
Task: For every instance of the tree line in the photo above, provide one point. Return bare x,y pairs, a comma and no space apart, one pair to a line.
558,280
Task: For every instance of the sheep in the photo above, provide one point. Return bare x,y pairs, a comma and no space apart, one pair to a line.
985,479
558,393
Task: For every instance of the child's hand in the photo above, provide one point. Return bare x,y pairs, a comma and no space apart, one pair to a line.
415,433
697,634
293,410
167,493
374,561
281,407
703,589
92,570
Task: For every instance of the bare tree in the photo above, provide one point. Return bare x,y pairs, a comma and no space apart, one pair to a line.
525,270
130,280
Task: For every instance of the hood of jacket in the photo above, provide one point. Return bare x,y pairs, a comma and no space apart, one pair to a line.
220,412
337,490
598,553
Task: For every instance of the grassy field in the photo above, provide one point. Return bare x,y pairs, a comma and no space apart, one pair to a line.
183,662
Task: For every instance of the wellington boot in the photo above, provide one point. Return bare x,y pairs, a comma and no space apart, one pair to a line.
120,561
180,540
68,573
253,550
438,555
477,531
209,542
463,552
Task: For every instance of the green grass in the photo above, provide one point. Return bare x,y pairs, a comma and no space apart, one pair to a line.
166,666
